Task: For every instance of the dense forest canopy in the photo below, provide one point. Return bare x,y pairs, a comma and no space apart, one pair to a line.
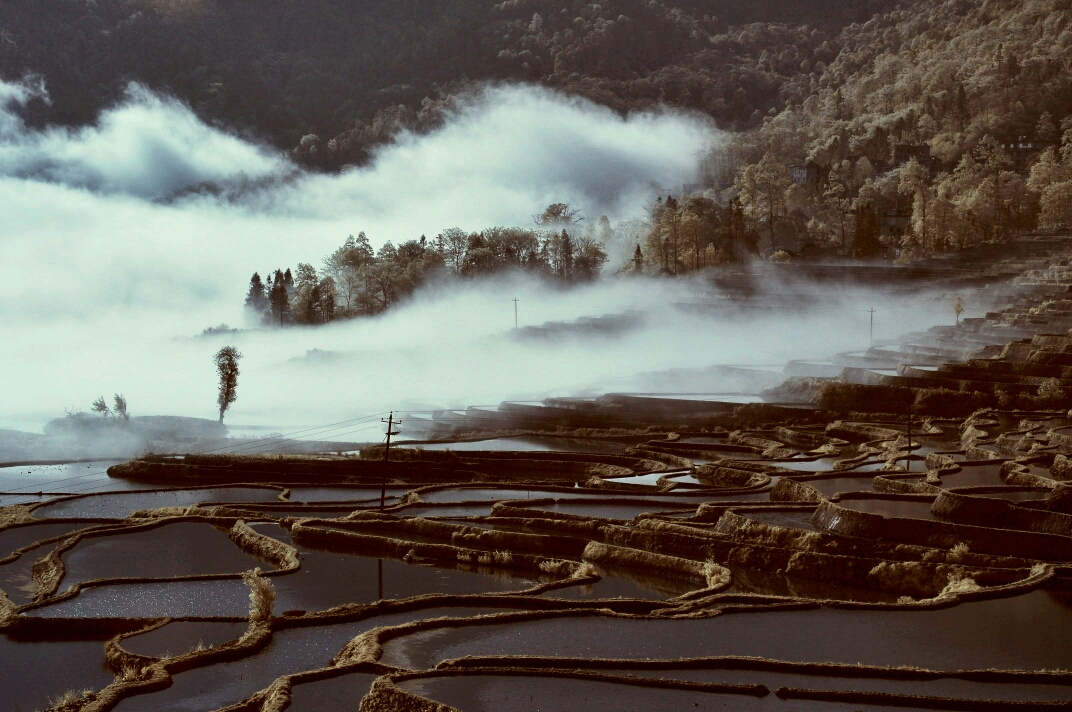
346,75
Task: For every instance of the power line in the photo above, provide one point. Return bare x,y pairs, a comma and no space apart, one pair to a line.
286,436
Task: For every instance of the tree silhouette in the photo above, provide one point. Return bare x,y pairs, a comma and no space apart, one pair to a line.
227,367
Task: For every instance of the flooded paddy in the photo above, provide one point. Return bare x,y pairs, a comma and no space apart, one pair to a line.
972,475
1010,494
445,510
790,519
119,506
31,679
181,549
219,598
22,535
620,583
1021,633
16,577
890,507
68,477
178,637
656,573
939,687
772,583
527,444
291,650
298,511
834,485
343,494
328,579
513,693
609,511
342,693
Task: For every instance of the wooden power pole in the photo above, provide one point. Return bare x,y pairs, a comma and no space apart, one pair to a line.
391,422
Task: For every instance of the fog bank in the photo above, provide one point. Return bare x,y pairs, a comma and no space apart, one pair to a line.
116,263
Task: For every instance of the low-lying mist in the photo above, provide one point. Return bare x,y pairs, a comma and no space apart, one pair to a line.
117,258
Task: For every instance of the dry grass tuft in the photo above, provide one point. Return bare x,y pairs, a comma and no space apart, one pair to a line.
959,582
561,568
717,576
956,554
261,596
72,698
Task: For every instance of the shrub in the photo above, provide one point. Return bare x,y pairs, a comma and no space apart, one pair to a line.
261,596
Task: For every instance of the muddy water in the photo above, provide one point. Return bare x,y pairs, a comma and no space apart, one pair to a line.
618,583
180,637
290,651
494,693
328,579
171,550
34,673
227,597
118,506
339,694
890,507
1025,632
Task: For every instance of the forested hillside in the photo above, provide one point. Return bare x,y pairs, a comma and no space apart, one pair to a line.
948,123
352,73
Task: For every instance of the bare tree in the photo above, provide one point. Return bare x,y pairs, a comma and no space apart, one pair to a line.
227,367
958,308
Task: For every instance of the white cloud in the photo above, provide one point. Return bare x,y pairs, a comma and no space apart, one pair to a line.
104,283
150,146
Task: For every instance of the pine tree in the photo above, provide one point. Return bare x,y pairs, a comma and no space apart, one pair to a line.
257,296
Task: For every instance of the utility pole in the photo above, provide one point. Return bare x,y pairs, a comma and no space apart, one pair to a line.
515,312
391,422
871,311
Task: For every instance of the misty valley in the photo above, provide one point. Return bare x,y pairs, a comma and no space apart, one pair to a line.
535,355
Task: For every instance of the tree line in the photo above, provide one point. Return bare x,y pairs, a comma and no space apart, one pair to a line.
331,79
357,280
